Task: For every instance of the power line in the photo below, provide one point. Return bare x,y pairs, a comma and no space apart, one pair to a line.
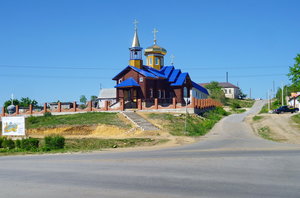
114,68
105,77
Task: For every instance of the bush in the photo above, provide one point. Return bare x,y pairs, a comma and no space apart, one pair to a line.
1,140
33,119
18,143
8,143
54,142
235,105
30,144
47,114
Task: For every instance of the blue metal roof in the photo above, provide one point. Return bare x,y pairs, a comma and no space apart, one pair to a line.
180,80
200,88
141,71
156,72
175,73
129,82
167,70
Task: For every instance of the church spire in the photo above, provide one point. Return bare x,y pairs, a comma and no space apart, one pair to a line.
136,50
135,41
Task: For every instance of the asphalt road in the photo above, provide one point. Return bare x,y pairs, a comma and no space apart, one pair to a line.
228,162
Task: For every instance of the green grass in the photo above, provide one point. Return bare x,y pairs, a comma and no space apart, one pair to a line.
247,103
266,133
255,118
89,118
296,118
238,110
88,144
196,125
274,105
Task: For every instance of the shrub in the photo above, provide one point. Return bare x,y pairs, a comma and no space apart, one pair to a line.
235,105
18,143
1,140
54,142
32,120
47,114
8,143
30,144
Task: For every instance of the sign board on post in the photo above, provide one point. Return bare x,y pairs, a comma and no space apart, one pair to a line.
13,126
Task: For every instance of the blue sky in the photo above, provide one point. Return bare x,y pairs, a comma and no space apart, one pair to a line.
61,49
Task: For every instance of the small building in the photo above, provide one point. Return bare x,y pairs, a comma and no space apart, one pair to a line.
198,92
107,95
230,90
64,105
294,100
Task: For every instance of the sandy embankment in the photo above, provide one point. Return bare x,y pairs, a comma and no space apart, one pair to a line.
282,127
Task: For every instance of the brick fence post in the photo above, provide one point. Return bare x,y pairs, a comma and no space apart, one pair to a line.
74,106
174,102
3,111
45,107
139,104
30,109
17,110
122,104
89,106
105,105
155,103
59,106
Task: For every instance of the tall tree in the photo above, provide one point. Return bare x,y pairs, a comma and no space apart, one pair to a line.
83,99
216,92
25,102
294,73
8,102
93,98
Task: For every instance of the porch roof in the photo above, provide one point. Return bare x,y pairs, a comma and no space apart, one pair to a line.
129,82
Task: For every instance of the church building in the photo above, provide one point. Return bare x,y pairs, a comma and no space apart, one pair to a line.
150,80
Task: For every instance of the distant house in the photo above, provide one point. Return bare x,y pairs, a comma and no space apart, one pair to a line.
294,100
64,105
109,95
230,90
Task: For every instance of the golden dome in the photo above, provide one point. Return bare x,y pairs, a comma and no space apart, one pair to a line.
155,49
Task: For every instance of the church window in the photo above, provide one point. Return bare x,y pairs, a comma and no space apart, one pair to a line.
150,61
164,94
156,61
151,93
159,93
141,79
120,80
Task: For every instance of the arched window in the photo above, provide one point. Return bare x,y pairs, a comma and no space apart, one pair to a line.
156,61
150,61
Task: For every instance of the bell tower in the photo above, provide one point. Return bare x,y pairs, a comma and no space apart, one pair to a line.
136,50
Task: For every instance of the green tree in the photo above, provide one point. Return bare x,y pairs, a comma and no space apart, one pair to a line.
241,95
94,98
216,92
8,102
294,74
25,102
83,99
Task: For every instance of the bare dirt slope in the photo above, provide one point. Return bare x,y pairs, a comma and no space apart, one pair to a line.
281,126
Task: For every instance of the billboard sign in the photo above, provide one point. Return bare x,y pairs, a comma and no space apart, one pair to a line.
13,126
